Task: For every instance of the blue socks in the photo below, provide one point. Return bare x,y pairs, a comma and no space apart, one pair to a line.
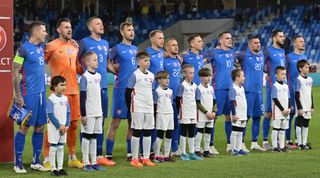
19,141
153,137
100,138
212,136
37,140
109,147
255,128
288,131
228,129
129,146
266,128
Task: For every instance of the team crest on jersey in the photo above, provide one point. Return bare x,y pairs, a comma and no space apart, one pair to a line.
99,47
105,48
130,51
175,64
227,55
38,50
160,55
119,111
97,80
69,51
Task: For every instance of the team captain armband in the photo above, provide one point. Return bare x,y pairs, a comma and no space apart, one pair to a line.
18,59
20,55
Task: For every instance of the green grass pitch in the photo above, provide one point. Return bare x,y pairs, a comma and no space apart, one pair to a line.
256,164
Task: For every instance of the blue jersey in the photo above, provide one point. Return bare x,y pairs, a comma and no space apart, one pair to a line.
101,48
252,65
222,63
292,70
31,57
173,67
125,56
273,57
156,60
196,60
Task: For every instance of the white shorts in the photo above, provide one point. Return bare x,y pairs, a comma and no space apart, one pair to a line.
164,121
208,124
93,126
239,123
188,121
280,123
142,121
54,135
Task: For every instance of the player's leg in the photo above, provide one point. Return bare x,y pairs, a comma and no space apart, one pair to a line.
267,119
46,150
37,136
60,156
191,138
213,149
74,102
93,143
299,120
147,126
161,127
305,131
240,138
292,113
136,126
176,132
19,142
100,137
52,156
283,126
276,124
206,139
128,139
257,112
183,138
200,129
168,139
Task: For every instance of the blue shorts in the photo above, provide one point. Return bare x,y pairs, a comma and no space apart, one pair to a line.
37,104
268,99
104,102
119,106
255,106
223,104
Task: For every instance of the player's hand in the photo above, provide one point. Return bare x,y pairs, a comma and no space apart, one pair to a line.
300,112
66,128
19,101
213,115
62,129
84,120
286,112
116,68
267,78
208,115
235,118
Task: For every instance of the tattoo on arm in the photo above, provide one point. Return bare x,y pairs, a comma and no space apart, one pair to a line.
16,78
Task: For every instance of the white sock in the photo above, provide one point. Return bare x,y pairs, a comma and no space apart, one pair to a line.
198,141
183,144
206,141
60,154
298,133
191,144
274,138
52,157
304,135
233,140
157,147
93,151
135,147
85,151
281,138
167,147
239,141
46,159
146,146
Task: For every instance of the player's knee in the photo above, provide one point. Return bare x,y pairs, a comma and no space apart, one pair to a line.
200,130
160,134
191,130
207,130
114,124
299,121
24,130
305,122
184,130
169,134
136,133
39,129
146,133
268,115
73,125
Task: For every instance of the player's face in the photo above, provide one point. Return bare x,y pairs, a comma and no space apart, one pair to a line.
189,74
255,45
144,64
158,40
41,33
281,75
279,39
61,87
65,30
172,47
164,82
93,62
299,44
96,26
226,40
305,69
206,80
128,32
197,43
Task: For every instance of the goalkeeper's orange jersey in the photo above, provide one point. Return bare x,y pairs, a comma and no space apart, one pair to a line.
62,59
